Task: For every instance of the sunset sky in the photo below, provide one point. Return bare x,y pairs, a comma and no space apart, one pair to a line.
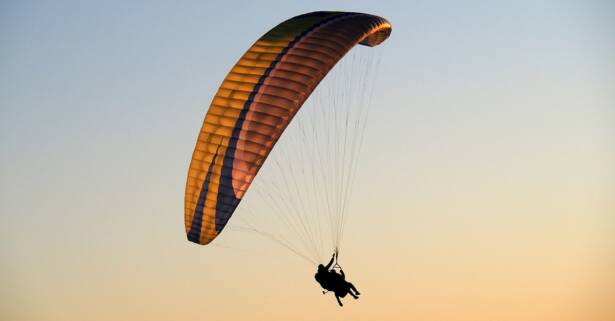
486,188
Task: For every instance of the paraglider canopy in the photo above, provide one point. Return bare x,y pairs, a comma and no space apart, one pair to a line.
255,103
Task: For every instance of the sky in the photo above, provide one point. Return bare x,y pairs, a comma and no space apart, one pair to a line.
485,188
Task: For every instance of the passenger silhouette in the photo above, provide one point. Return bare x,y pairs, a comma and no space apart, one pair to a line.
330,280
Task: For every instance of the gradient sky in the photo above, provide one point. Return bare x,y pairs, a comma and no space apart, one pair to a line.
486,191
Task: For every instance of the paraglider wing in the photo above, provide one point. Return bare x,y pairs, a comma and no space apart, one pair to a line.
255,103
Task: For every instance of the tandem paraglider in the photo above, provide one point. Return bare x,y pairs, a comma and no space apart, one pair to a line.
252,109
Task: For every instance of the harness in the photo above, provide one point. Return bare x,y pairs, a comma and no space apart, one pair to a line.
335,267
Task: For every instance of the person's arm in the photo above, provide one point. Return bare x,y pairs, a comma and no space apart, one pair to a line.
330,262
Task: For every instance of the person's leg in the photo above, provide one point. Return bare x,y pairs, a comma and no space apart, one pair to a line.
338,300
347,290
353,289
